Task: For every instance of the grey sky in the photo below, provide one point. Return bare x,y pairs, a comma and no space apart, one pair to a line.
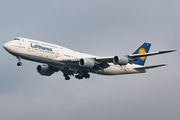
100,27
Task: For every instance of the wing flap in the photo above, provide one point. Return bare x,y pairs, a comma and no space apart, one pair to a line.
105,59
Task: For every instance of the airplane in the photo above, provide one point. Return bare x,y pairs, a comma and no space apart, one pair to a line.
71,63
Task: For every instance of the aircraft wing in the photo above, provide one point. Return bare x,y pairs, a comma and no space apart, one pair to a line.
132,57
103,62
105,59
99,63
99,60
149,54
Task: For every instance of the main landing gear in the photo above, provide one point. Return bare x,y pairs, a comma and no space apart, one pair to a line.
79,76
19,63
66,76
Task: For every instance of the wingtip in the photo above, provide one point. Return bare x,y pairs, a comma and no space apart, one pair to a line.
168,51
165,64
172,50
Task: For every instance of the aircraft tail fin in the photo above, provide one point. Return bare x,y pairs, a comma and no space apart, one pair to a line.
144,48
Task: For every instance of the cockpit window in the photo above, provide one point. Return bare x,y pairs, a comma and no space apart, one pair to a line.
16,39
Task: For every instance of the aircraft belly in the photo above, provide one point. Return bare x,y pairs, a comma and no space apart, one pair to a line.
111,71
33,57
117,70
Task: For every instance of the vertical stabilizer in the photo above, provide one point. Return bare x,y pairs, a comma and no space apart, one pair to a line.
142,49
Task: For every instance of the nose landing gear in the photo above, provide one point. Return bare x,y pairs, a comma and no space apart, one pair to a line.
19,63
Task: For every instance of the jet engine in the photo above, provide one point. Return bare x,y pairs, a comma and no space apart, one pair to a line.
86,63
121,60
44,70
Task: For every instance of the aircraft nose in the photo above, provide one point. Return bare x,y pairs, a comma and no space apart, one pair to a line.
6,46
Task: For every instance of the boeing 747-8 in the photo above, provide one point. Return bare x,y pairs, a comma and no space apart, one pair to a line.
57,58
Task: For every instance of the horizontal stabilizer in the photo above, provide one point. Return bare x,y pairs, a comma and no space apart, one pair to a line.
149,67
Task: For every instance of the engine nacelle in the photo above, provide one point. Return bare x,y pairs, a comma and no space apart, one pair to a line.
86,63
121,60
44,70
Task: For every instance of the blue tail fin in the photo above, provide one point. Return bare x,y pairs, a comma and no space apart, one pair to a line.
143,49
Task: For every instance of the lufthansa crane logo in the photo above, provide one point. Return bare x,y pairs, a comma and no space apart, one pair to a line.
141,51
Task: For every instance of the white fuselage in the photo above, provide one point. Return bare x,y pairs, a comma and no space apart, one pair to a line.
51,54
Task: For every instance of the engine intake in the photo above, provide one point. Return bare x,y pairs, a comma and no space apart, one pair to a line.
121,60
86,63
44,70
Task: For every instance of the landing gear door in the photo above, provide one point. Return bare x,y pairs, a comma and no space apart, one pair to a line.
57,54
29,48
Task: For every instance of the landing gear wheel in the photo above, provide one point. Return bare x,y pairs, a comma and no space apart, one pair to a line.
19,63
76,76
67,78
79,77
87,76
